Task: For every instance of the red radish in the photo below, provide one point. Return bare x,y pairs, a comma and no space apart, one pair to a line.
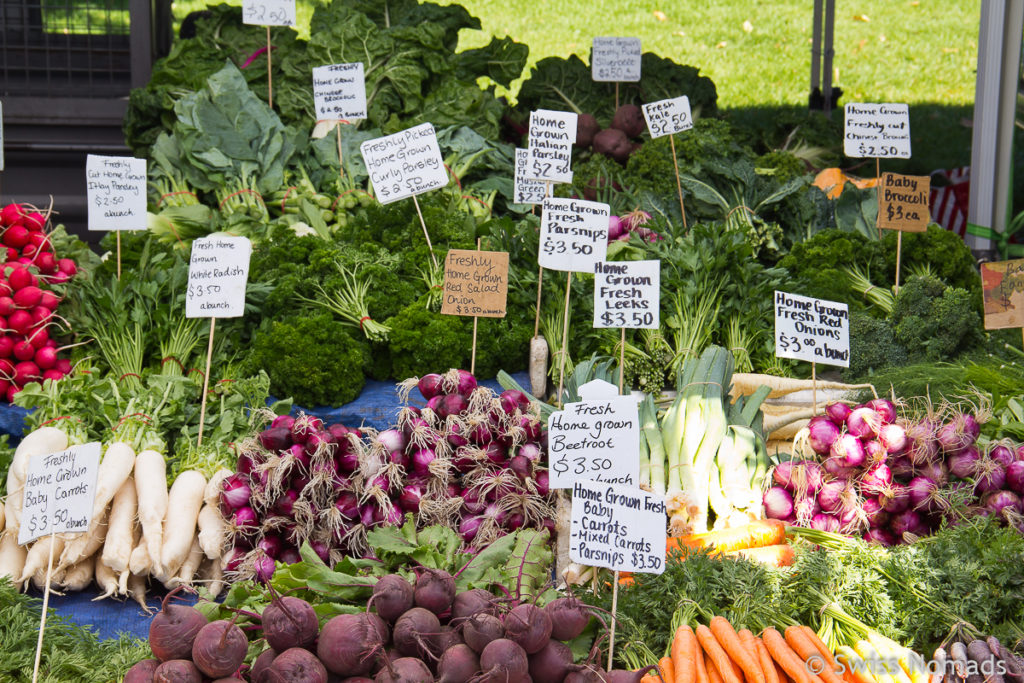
27,297
23,260
7,306
30,251
47,263
219,648
59,278
11,214
34,221
5,288
55,375
63,365
12,391
6,345
24,350
16,236
20,277
25,372
67,266
41,241
173,630
12,254
20,322
40,315
39,338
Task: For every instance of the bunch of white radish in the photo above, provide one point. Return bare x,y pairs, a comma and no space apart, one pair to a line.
139,529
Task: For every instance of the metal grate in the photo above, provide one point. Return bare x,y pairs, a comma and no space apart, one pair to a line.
64,48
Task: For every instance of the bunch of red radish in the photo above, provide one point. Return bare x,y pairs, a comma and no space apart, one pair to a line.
28,302
623,227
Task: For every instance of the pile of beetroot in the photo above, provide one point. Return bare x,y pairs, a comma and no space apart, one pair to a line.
893,479
28,301
469,459
410,633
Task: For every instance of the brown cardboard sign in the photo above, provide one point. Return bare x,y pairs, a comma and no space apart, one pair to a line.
903,202
1002,284
475,283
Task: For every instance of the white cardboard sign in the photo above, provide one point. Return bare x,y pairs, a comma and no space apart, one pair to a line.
881,131
116,192
573,234
621,528
218,271
596,438
526,191
550,140
667,117
405,163
615,59
813,330
59,492
627,294
268,12
339,92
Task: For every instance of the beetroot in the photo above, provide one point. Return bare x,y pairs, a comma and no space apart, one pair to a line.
405,670
613,143
142,672
258,673
569,616
529,627
348,643
468,603
177,671
290,622
229,680
630,120
458,665
624,676
552,663
503,661
435,590
297,665
481,629
219,648
416,633
174,629
586,128
448,637
393,597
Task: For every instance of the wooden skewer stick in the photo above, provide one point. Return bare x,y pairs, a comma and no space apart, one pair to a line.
425,233
206,385
270,75
679,184
46,604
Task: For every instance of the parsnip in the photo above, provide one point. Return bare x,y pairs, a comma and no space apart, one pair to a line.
183,504
151,486
43,441
117,548
105,577
212,531
538,366
12,555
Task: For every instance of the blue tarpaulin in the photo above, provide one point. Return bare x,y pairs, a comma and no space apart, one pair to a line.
377,407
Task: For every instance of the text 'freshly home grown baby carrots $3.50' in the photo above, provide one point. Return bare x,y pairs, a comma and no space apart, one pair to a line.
684,656
790,661
717,655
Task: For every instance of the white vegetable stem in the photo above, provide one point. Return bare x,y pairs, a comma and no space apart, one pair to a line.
183,505
151,487
212,530
12,555
117,549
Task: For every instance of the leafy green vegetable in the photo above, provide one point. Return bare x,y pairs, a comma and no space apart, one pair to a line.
873,346
818,265
933,321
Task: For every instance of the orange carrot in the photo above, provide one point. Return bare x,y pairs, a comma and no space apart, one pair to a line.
797,639
626,579
727,637
650,678
748,641
820,646
783,678
717,655
754,535
783,654
771,674
772,555
713,675
698,658
666,668
684,652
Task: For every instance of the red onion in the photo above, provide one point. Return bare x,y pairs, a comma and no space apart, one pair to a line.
990,476
531,451
521,466
880,536
824,522
848,450
264,568
399,458
874,451
468,528
275,439
896,499
340,432
778,503
347,504
833,467
830,495
452,404
885,408
922,446
822,434
455,436
1015,476
805,509
421,459
936,471
304,427
233,558
908,522
957,434
409,499
542,480
284,505
964,464
434,404
246,463
322,550
429,385
782,474
838,412
901,466
298,452
290,556
466,383
496,453
285,421
1001,502
481,434
531,426
515,521
235,493
494,511
876,480
1020,452
921,491
511,399
875,513
1002,454
245,518
894,438
392,440
863,422
271,544
473,501
852,519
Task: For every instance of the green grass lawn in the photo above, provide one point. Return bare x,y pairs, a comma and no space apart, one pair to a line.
757,52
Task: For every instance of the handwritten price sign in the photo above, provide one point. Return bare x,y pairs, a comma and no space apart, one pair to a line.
813,330
877,130
268,12
404,164
59,492
115,189
218,271
667,117
573,234
903,202
550,140
621,528
615,59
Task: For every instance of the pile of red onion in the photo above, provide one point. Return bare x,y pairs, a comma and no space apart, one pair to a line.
892,479
469,459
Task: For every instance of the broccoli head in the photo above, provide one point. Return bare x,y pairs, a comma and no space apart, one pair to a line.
873,346
933,321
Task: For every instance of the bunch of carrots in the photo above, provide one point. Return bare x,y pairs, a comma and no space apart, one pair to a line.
717,653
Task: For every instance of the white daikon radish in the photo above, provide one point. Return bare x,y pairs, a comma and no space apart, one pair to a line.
12,555
151,486
106,578
140,562
212,574
43,441
122,575
117,548
190,567
183,504
137,589
538,366
212,494
78,576
212,531
39,556
93,545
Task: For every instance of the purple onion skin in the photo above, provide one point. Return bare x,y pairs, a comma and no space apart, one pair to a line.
285,421
894,438
885,409
838,412
830,496
874,451
1015,477
783,474
290,556
908,522
778,503
876,480
849,450
876,514
991,477
964,464
822,434
863,422
896,499
901,466
1002,454
883,537
824,522
837,470
429,385
1001,502
936,471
